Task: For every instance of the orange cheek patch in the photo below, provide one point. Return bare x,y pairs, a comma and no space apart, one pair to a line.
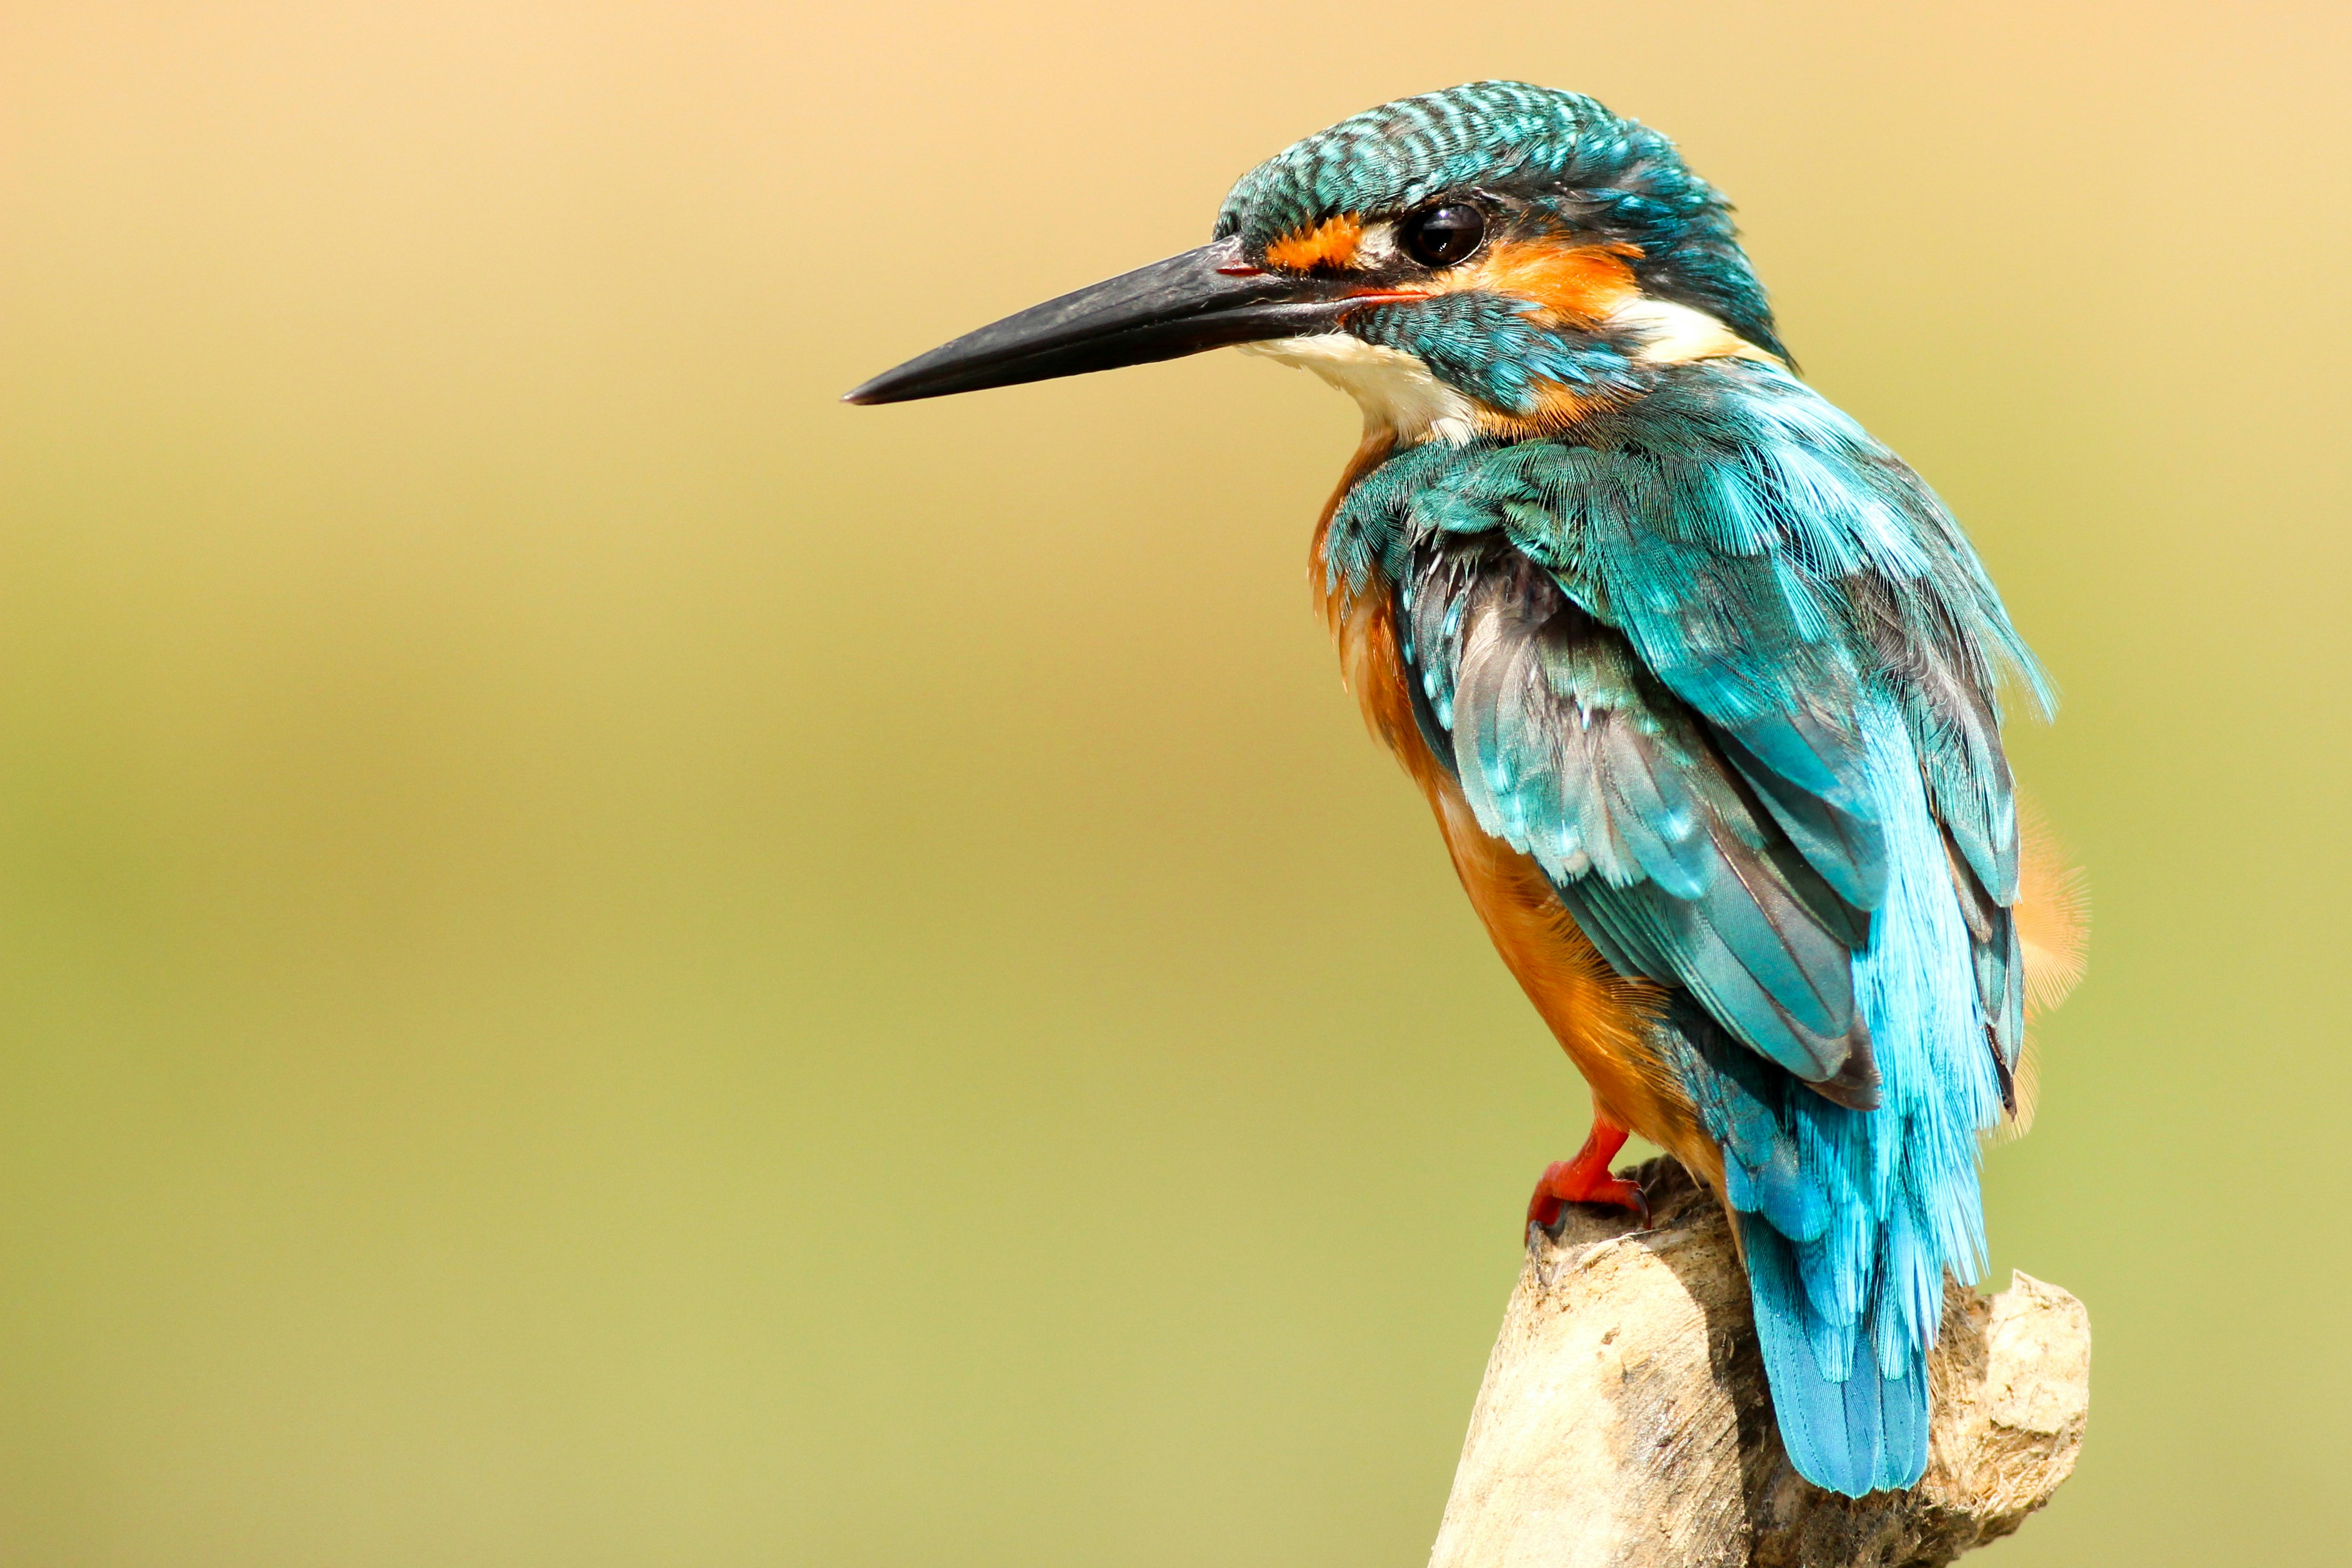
1330,244
1575,285
1570,284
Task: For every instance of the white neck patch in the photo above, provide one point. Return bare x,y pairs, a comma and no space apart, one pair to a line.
1677,334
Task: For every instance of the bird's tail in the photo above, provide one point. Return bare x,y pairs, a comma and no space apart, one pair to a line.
1851,1428
1847,1282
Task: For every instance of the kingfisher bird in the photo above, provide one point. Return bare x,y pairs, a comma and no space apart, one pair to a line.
1703,684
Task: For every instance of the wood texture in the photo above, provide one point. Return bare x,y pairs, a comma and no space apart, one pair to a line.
1624,1418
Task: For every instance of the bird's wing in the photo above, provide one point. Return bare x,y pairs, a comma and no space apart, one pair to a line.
1569,747
1751,569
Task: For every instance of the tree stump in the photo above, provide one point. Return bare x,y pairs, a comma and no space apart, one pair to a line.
1624,1418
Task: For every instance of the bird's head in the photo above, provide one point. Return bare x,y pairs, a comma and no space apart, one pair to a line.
1493,259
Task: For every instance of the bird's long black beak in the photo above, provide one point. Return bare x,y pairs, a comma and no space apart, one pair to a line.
1205,299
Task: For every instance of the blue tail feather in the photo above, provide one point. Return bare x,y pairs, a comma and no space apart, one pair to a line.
1864,1431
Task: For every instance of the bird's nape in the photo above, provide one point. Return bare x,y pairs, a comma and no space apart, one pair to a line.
1205,299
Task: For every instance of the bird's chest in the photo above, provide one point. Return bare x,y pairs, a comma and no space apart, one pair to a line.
1358,604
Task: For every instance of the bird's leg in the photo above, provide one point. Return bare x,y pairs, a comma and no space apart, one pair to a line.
1586,1179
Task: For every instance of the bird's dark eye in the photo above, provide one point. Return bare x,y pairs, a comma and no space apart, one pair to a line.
1442,235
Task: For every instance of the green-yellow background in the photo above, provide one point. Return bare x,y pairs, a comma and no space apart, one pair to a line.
604,961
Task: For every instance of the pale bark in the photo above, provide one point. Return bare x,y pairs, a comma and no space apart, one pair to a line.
1624,1418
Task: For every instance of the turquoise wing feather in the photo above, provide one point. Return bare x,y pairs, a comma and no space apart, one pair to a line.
1727,672
1572,751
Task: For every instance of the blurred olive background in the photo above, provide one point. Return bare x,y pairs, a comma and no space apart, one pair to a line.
604,961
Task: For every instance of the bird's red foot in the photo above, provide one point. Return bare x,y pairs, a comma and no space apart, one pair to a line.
1586,1180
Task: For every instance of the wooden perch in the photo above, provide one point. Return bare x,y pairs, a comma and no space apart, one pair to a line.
1624,1419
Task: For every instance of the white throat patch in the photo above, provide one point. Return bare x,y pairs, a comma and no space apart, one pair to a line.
1402,400
1395,390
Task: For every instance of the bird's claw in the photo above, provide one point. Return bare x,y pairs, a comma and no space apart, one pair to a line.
1586,1179
1562,1185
